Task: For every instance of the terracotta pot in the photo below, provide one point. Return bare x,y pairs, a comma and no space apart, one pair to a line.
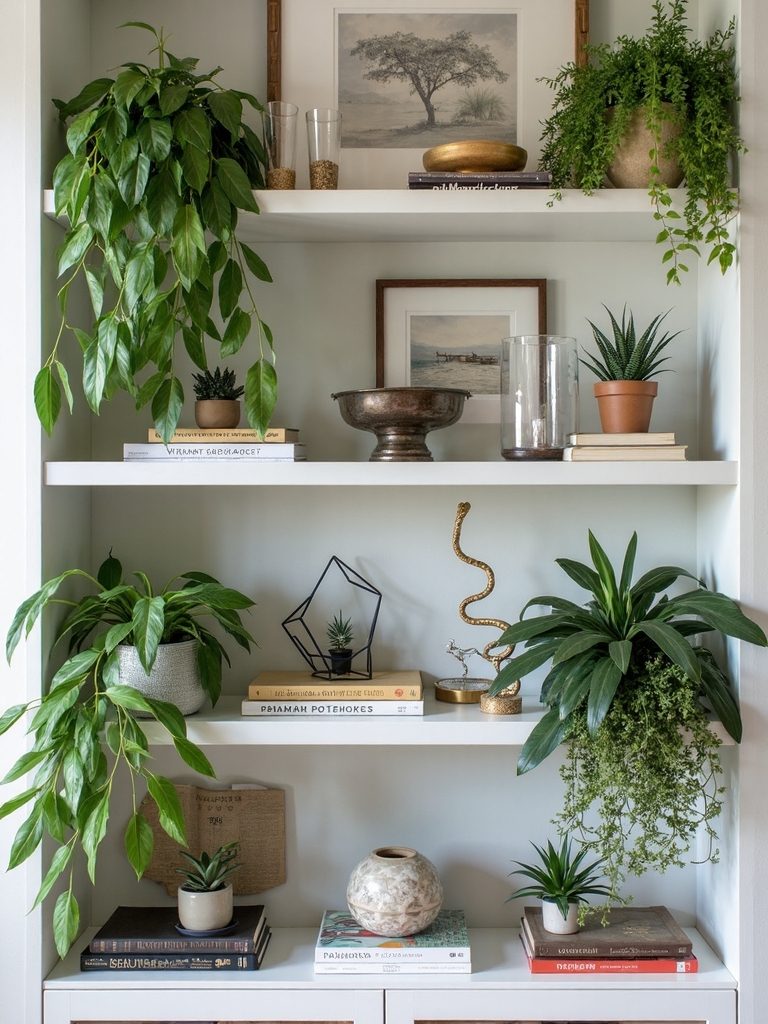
625,406
205,911
394,891
553,921
631,165
217,413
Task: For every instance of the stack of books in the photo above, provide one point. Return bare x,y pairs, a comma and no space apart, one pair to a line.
343,947
658,447
451,181
302,695
636,940
151,939
236,444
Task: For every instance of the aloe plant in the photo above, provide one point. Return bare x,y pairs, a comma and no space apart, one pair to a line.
560,877
209,872
339,632
627,357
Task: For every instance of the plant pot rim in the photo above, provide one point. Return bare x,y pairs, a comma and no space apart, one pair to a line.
205,892
623,387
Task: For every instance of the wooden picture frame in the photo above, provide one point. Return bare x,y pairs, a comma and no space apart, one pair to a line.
466,318
315,59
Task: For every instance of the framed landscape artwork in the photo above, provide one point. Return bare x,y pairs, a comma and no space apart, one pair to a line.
447,333
407,77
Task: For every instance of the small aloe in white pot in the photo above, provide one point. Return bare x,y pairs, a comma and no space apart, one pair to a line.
561,883
205,898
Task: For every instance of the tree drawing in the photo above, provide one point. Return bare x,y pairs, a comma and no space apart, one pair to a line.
428,64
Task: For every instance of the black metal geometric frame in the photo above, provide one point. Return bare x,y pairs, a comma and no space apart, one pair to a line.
305,642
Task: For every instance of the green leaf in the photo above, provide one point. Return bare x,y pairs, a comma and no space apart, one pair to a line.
255,264
522,665
79,130
139,843
234,181
218,211
128,85
227,108
148,624
720,612
169,809
139,272
133,181
114,128
193,343
194,757
25,763
577,644
11,716
671,643
18,801
87,96
166,407
195,165
155,137
581,574
172,97
27,838
230,286
59,862
127,697
260,395
606,677
76,244
237,330
94,831
47,395
188,246
547,735
717,692
66,922
191,127
621,653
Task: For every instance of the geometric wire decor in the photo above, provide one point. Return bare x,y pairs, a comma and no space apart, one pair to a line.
339,587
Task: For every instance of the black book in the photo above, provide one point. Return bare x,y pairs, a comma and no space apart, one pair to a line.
218,961
450,181
153,930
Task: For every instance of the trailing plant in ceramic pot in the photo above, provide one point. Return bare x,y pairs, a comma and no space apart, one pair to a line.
624,365
158,157
629,693
676,95
89,711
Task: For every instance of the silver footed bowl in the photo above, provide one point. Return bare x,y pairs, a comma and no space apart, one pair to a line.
401,418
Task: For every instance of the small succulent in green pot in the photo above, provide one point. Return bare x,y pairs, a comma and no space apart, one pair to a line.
630,691
624,364
561,883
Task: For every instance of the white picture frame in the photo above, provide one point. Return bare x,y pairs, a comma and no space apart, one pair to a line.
462,321
314,59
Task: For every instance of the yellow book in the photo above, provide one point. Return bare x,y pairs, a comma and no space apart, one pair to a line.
227,435
635,453
304,686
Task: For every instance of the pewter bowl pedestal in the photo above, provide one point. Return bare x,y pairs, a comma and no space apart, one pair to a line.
401,418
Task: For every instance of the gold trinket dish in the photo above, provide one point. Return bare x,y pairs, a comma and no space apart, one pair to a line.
476,156
461,690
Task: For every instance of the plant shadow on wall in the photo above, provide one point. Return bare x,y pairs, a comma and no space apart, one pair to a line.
89,709
675,96
630,696
157,157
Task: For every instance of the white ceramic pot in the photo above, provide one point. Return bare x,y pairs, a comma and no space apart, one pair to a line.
205,911
394,891
554,921
175,676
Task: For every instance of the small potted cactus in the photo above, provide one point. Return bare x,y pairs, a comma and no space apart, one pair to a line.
205,898
340,636
217,395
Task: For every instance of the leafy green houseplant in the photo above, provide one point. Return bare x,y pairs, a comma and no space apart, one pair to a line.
158,157
209,872
217,397
629,694
561,881
205,898
88,707
674,82
624,365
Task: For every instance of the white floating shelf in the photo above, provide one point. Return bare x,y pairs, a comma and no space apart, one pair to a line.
400,215
388,474
455,725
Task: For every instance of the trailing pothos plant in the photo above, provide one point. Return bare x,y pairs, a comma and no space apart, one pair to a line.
670,77
629,694
88,710
157,157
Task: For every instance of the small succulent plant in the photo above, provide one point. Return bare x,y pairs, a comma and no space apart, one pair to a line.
209,872
558,877
221,386
339,633
628,357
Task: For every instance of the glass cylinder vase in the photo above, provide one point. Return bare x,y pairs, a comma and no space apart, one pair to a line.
539,395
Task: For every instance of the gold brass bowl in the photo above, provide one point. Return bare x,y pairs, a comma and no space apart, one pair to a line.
478,155
401,418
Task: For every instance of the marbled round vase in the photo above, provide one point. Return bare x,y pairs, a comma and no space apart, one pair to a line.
394,891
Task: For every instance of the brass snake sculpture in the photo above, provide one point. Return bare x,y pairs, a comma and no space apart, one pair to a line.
495,659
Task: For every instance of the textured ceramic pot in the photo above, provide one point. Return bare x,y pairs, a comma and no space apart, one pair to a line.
219,413
631,165
205,911
175,676
554,921
625,406
394,891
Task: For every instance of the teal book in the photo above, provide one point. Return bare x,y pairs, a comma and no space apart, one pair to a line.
342,940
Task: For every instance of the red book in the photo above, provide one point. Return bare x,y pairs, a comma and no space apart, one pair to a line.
581,965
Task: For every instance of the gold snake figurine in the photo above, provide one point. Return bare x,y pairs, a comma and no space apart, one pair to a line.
495,659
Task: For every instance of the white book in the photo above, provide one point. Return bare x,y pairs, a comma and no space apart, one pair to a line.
331,708
394,968
265,452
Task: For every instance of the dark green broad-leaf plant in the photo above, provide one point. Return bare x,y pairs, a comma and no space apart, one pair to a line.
160,164
87,710
628,692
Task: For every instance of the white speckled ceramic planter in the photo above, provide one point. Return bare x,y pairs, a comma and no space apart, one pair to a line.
205,911
175,676
554,921
394,891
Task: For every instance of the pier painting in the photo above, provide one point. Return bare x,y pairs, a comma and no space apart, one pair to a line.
457,350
